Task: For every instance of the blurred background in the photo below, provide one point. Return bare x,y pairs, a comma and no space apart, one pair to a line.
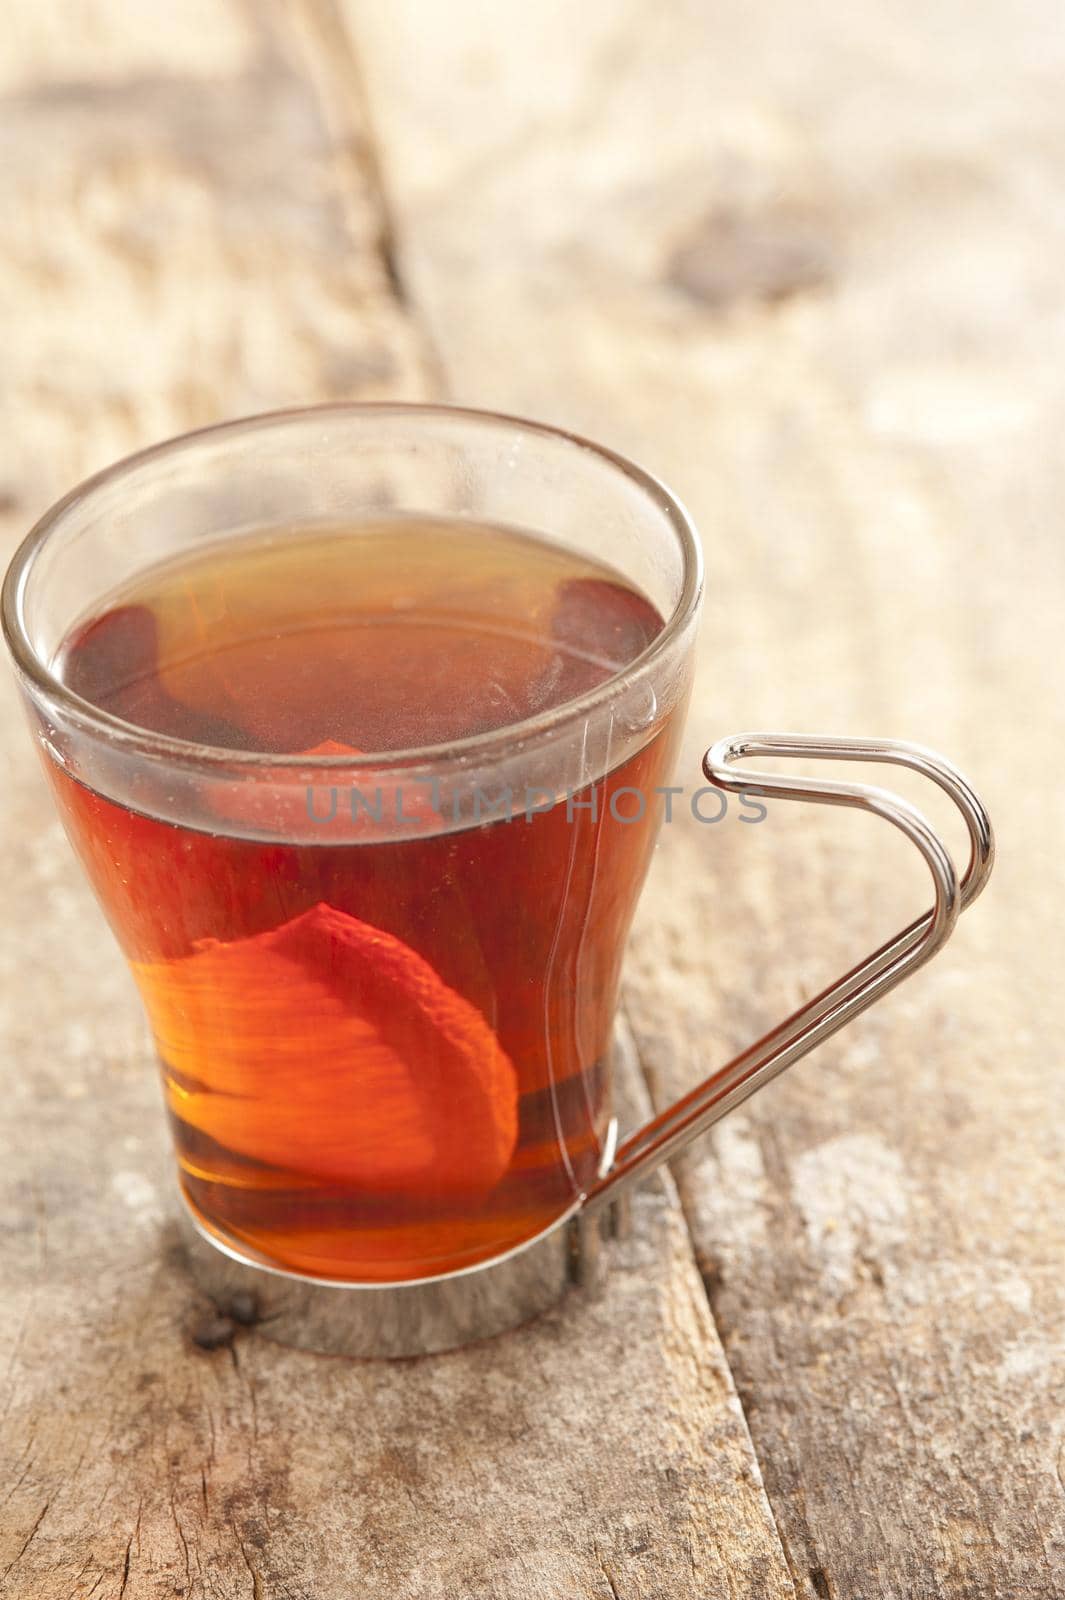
807,263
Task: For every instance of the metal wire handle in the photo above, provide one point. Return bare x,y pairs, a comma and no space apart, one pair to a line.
837,1005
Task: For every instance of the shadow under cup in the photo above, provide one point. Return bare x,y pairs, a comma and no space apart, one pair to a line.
474,943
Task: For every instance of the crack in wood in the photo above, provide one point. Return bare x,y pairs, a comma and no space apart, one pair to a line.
126,1565
607,1574
8,1570
335,67
256,1580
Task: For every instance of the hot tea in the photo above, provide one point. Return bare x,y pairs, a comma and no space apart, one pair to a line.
385,1039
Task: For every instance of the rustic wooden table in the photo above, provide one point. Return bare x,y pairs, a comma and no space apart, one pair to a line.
808,264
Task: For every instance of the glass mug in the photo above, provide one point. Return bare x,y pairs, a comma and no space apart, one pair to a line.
382,972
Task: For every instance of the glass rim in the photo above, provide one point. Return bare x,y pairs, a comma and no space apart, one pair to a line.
132,736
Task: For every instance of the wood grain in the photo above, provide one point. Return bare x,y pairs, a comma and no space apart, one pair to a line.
809,268
194,229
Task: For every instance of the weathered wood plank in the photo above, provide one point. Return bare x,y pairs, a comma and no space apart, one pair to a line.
809,268
184,239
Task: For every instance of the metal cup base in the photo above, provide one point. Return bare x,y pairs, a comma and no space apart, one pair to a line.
404,1319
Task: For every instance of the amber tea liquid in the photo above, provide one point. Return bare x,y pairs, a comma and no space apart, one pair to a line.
384,1057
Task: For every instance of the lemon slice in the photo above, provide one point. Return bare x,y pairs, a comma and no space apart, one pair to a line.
330,1048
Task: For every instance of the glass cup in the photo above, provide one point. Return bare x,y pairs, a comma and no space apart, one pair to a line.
383,986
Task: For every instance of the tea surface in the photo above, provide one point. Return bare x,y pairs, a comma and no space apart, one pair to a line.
379,638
